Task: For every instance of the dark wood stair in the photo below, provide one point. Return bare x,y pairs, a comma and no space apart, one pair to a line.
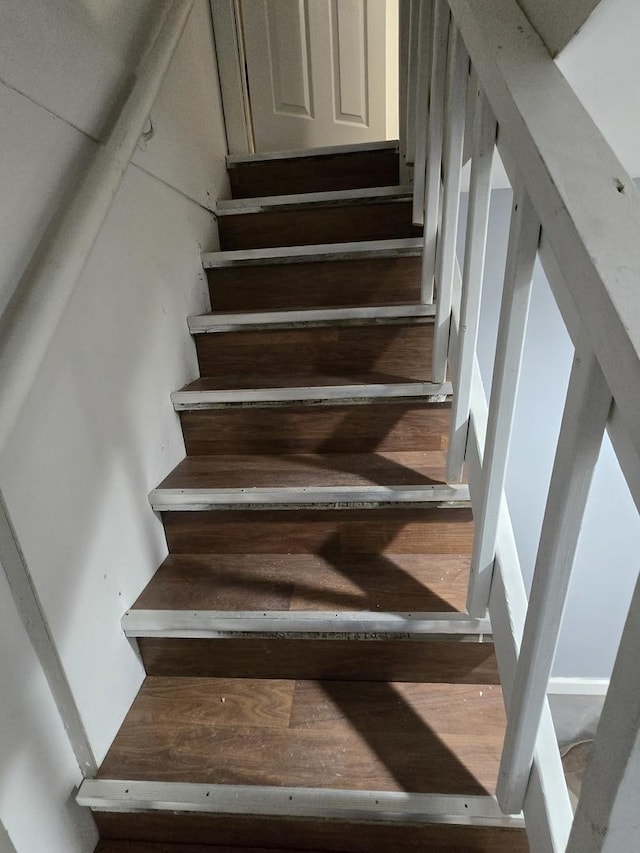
313,680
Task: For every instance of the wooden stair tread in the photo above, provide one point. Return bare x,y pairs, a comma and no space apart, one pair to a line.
239,381
320,284
318,224
346,170
308,582
428,738
298,470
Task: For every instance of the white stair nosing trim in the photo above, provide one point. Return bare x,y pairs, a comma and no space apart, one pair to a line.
126,796
291,498
362,249
304,153
320,394
559,686
371,625
212,323
258,204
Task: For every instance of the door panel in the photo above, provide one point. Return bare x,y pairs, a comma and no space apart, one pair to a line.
317,71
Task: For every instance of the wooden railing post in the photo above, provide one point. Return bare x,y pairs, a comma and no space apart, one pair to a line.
425,39
434,146
484,138
583,425
523,245
453,144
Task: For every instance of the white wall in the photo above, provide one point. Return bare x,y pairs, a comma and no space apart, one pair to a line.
98,431
601,64
607,562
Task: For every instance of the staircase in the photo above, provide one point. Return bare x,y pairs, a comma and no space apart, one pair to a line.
313,681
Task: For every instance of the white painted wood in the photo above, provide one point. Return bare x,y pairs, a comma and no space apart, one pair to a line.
412,78
592,225
233,83
521,255
233,207
455,108
194,624
316,71
316,394
35,621
31,319
607,819
423,83
547,808
577,686
404,23
583,424
557,23
330,497
323,151
434,146
372,806
404,247
484,136
214,323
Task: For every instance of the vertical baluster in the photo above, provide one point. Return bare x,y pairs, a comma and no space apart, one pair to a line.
403,84
583,424
607,817
434,145
425,39
484,137
455,109
523,244
412,80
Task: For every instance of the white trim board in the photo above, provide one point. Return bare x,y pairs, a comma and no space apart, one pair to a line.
333,198
373,806
367,626
212,323
400,248
320,395
316,497
326,151
559,686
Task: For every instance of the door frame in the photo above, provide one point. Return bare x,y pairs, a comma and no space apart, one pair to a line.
226,16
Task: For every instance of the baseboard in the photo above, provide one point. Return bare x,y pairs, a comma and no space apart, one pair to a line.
578,686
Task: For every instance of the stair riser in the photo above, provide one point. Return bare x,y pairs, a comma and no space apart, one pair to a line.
354,660
310,429
396,350
381,281
282,834
326,532
316,174
313,225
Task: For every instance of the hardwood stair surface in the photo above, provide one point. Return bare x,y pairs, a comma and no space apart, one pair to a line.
313,681
368,281
323,172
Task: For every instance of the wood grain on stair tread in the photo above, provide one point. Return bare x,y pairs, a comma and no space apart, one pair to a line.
309,582
294,379
327,532
352,660
393,349
313,225
313,429
377,281
397,468
443,738
315,174
310,835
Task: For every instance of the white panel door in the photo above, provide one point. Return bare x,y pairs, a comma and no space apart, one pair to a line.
317,71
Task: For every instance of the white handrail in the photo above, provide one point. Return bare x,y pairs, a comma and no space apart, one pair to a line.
30,322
